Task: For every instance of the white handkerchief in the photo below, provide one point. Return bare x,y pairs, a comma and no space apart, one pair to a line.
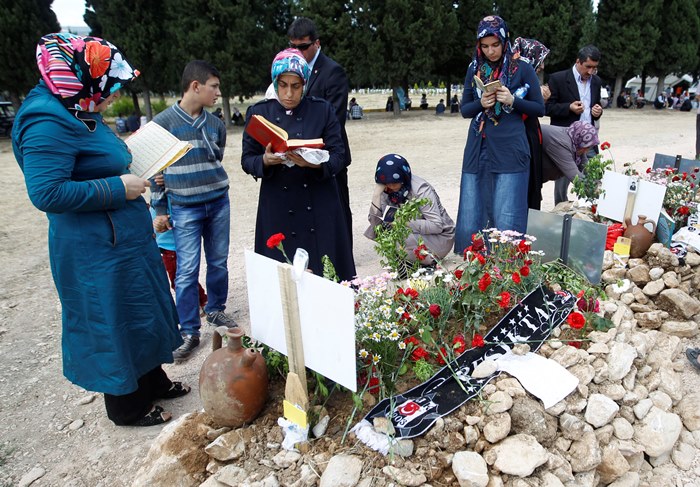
542,377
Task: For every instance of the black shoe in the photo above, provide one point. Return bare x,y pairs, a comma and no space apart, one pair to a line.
219,318
185,350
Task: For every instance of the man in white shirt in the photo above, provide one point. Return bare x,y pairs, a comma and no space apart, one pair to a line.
575,96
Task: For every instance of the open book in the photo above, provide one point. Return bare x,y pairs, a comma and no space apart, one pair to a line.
153,149
265,132
488,87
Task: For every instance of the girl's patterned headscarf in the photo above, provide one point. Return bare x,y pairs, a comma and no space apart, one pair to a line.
82,71
392,168
531,51
290,61
583,136
504,69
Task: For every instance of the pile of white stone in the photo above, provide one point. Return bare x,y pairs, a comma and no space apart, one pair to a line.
628,423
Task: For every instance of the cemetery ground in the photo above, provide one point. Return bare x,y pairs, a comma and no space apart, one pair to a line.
49,425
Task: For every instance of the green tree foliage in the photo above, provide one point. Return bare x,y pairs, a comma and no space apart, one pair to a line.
677,48
626,36
548,21
22,23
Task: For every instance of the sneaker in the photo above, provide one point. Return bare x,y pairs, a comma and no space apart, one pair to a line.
185,350
219,318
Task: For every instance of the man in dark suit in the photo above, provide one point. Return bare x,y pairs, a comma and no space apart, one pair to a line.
329,82
575,95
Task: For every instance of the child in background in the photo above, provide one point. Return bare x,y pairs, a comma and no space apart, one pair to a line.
166,245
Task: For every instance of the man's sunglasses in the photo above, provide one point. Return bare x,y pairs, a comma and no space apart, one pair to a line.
302,47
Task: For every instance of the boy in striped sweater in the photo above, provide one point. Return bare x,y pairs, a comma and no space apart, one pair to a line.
195,194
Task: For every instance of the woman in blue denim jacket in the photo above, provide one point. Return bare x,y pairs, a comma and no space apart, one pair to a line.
495,168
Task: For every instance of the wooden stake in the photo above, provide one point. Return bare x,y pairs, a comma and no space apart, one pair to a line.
296,394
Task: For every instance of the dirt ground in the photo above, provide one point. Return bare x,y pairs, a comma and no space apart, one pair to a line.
47,422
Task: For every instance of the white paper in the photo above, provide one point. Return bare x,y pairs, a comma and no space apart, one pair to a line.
327,314
312,156
542,377
648,202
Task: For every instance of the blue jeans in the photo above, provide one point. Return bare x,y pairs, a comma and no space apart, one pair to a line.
490,199
211,223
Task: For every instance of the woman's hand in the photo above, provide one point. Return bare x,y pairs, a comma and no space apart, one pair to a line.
546,93
159,179
300,161
504,96
488,100
134,186
269,157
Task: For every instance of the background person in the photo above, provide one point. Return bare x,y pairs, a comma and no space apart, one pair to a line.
119,320
328,81
496,163
396,185
302,201
575,96
195,193
564,150
440,107
534,53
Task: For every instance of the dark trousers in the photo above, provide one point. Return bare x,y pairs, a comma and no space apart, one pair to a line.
342,181
128,408
170,263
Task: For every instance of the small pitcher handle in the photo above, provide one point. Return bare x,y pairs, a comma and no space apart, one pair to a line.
217,337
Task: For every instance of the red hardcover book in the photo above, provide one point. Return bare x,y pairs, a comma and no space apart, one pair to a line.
266,132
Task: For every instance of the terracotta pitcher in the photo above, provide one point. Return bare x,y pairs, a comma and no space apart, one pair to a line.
640,236
233,381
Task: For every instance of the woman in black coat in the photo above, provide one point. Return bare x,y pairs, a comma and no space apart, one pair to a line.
298,198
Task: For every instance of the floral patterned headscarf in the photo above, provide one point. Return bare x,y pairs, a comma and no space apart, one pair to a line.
583,136
504,69
82,71
393,168
290,61
531,51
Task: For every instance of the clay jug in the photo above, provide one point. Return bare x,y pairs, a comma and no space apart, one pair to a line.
640,236
233,381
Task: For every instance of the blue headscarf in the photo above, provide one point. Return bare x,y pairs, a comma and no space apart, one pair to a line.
393,168
290,61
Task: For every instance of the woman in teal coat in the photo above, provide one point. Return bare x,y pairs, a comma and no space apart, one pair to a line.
119,320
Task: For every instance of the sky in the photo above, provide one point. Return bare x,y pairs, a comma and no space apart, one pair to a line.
69,12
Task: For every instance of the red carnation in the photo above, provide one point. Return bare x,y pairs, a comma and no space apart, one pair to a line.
275,240
675,178
523,246
576,320
434,310
410,292
442,356
504,300
525,271
648,170
477,341
421,252
484,282
477,243
605,146
594,209
419,353
411,341
373,386
516,278
459,273
481,259
459,345
683,210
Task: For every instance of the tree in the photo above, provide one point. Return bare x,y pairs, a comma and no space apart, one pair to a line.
401,40
138,29
677,48
626,37
22,23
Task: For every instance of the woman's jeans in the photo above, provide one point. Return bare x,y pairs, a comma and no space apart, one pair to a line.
209,222
489,199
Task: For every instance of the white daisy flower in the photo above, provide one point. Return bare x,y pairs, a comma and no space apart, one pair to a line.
363,353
